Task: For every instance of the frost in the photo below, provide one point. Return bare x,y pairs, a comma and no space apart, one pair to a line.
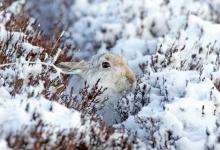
172,46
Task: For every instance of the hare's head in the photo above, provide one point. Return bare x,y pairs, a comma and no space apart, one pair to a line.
112,70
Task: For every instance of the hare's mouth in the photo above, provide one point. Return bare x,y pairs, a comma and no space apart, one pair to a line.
129,88
132,86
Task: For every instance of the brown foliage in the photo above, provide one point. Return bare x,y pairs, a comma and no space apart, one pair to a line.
5,3
100,137
17,23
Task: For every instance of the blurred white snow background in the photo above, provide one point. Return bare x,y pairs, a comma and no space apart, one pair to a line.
173,46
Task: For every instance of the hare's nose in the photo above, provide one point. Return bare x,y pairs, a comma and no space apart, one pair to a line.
130,76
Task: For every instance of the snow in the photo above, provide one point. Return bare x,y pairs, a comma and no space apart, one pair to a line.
3,145
178,43
183,113
11,121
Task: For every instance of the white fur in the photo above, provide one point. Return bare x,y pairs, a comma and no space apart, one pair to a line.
118,79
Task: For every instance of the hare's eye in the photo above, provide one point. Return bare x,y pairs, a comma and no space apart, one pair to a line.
106,65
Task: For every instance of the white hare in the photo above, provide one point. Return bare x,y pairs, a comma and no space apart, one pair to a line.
114,74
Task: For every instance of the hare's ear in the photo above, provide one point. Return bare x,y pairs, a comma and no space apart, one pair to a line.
73,67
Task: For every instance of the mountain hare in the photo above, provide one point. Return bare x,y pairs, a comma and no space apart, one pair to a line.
114,74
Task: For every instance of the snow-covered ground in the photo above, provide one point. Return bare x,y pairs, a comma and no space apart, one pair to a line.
173,46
